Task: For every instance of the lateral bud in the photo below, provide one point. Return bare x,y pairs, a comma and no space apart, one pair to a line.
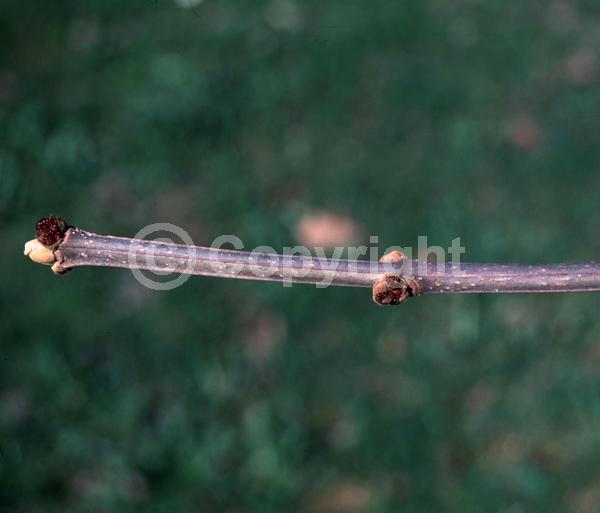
39,253
392,288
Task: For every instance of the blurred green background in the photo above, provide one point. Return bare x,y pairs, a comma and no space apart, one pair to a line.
472,119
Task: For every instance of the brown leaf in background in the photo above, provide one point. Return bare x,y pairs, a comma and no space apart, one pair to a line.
506,449
262,334
523,132
563,16
580,67
342,498
283,15
587,499
327,230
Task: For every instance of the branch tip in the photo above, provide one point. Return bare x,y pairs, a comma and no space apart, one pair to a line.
51,230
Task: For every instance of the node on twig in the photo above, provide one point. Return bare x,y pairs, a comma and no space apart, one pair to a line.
393,288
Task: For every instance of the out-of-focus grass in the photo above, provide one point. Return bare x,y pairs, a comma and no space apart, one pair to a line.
446,119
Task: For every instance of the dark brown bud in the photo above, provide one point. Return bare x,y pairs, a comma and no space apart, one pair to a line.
51,230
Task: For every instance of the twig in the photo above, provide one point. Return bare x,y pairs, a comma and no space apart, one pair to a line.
393,278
